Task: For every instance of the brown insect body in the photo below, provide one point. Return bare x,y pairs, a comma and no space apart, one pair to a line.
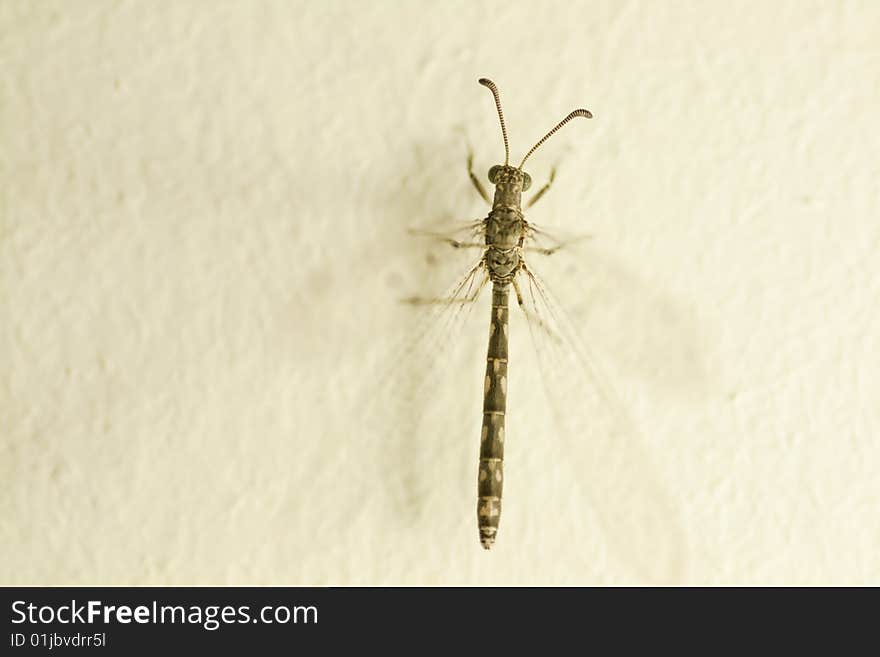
505,232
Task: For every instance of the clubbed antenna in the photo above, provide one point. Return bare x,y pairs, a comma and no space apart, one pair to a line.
491,85
577,112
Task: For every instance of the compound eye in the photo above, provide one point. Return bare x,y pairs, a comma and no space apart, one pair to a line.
527,181
494,172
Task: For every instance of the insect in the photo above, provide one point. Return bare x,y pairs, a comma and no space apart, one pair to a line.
506,236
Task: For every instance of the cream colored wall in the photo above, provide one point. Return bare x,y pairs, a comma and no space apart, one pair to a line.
203,241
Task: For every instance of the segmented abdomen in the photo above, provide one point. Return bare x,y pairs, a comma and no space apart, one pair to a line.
490,480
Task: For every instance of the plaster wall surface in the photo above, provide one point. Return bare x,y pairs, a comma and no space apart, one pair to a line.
203,244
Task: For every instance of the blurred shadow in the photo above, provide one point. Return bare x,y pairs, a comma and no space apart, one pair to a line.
408,429
641,331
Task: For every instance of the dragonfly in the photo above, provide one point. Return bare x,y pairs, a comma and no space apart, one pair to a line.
503,239
505,246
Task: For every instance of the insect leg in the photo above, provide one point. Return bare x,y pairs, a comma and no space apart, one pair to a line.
546,243
543,190
451,241
464,235
475,180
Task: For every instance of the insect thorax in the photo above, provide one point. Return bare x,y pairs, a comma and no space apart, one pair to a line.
505,231
505,227
502,264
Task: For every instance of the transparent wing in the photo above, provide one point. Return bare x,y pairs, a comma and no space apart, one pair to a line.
434,321
601,444
423,353
454,233
607,295
410,407
547,240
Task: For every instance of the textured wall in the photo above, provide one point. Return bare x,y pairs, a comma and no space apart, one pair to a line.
203,245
